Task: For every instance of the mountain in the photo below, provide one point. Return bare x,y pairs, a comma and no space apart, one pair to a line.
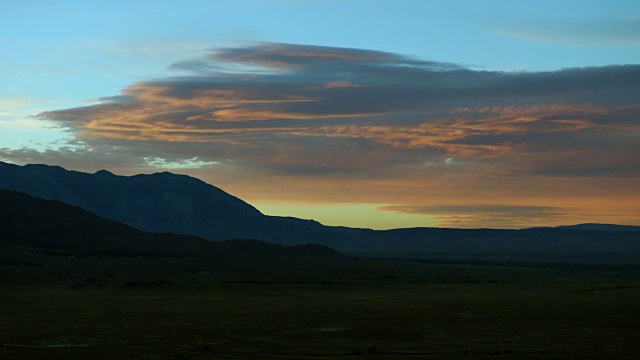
29,221
180,204
601,227
48,237
162,202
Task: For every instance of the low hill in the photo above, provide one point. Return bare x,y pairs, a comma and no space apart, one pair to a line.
50,239
601,227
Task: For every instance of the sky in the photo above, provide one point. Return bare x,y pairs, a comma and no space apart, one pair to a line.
364,113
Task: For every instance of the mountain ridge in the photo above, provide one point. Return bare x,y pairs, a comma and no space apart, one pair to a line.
601,227
166,202
39,236
139,201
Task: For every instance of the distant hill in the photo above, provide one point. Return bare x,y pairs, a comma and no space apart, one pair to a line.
51,235
601,227
180,204
29,221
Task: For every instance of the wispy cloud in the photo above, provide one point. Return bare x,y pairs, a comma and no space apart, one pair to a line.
591,32
383,100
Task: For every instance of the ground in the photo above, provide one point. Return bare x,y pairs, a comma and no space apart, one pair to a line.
449,311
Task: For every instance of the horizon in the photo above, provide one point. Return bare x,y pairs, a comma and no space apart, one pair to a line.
379,115
325,224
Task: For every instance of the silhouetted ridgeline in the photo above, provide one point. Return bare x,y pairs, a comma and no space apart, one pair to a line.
43,239
161,202
180,204
601,227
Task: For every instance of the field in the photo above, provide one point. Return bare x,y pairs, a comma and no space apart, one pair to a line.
444,311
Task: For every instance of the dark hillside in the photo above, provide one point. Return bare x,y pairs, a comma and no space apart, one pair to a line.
44,240
161,202
601,227
30,221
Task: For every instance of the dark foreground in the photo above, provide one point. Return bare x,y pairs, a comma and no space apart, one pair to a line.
448,312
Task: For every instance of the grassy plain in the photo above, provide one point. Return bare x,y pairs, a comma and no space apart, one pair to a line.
426,311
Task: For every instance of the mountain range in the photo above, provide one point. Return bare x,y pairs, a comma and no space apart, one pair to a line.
179,204
50,241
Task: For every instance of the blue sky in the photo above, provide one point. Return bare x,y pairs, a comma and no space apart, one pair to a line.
85,49
72,54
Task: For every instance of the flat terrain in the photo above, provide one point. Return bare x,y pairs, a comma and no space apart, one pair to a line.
435,311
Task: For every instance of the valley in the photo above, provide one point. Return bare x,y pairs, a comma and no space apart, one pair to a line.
443,311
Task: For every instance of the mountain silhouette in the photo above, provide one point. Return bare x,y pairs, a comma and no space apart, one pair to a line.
39,236
601,227
165,202
162,202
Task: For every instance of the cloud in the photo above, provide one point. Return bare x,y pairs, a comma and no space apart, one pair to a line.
287,56
281,94
593,32
371,123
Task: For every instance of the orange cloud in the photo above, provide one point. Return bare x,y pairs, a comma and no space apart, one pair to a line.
307,123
